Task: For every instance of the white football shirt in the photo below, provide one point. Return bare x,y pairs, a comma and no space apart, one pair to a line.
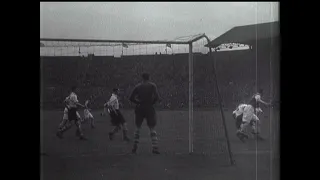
239,109
113,102
72,100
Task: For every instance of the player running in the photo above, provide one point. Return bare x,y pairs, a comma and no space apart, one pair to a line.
105,110
65,115
117,119
71,114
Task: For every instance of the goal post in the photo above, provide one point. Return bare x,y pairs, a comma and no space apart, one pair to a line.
87,47
190,98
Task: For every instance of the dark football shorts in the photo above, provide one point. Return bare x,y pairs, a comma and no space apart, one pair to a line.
116,117
145,112
72,114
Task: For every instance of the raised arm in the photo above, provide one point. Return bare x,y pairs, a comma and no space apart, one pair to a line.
258,98
66,100
75,99
80,104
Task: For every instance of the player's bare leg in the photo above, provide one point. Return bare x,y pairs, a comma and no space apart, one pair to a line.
241,133
64,119
125,132
66,126
92,122
256,130
113,132
105,110
63,122
79,117
79,130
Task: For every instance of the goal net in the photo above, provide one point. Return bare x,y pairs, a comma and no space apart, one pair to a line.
190,117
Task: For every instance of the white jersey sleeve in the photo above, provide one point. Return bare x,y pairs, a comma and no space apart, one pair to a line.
240,109
66,99
86,103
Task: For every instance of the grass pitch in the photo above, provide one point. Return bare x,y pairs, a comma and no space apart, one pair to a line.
99,158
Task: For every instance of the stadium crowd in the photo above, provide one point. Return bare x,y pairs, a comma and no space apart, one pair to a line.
97,76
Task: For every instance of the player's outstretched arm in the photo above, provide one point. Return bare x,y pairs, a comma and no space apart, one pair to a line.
66,100
80,104
265,103
258,98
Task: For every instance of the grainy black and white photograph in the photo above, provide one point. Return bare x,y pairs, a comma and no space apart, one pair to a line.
159,90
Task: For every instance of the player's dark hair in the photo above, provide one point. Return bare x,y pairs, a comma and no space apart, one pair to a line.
145,76
260,91
73,88
115,90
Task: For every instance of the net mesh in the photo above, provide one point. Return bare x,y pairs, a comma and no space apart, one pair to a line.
97,67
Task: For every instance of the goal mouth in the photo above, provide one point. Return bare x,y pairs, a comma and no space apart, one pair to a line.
96,54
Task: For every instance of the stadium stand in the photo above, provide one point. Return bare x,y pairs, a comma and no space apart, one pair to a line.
235,71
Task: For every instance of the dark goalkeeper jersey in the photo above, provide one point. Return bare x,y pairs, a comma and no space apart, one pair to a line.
145,93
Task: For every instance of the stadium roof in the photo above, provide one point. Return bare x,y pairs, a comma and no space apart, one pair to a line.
247,34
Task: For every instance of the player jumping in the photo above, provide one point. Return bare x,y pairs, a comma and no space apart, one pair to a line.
117,119
71,114
250,117
238,116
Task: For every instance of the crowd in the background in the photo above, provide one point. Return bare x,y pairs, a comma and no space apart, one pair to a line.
236,73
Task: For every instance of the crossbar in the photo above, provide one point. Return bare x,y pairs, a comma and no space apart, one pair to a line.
125,41
114,41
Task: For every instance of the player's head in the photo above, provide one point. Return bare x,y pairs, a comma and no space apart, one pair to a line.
145,77
115,90
260,91
73,88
